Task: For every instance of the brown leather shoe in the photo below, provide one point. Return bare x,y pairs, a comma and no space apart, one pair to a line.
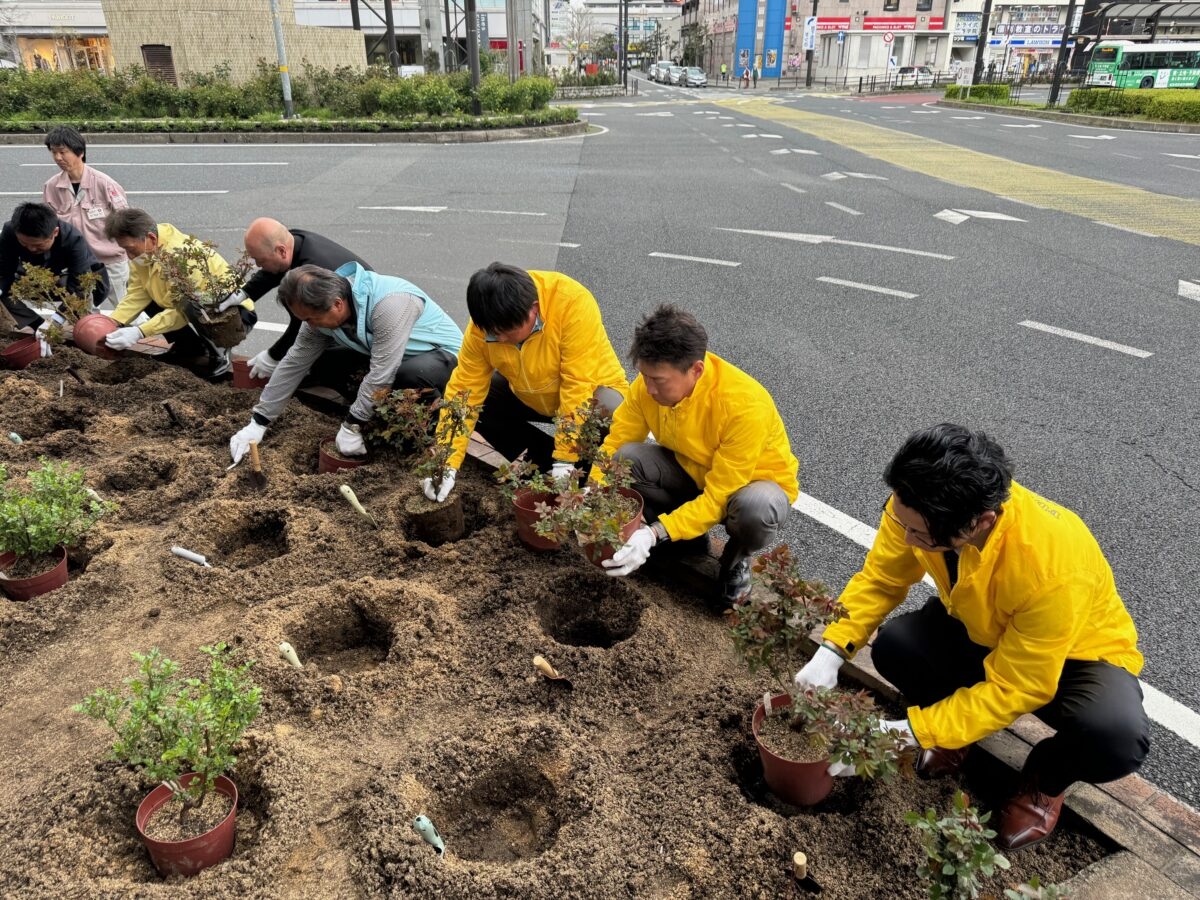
1028,818
938,762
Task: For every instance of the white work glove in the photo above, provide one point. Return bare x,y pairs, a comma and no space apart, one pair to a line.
821,671
844,770
123,338
440,495
263,365
40,334
240,442
633,553
237,298
349,442
561,471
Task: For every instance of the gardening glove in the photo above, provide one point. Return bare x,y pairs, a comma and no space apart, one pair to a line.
440,495
263,365
633,553
237,298
123,338
240,442
349,441
820,671
561,471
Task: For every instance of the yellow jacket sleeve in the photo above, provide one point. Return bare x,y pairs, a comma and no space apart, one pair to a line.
1020,675
890,570
166,321
742,439
136,297
473,373
629,425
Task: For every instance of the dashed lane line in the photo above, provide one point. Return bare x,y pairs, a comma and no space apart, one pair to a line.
697,259
1087,339
873,288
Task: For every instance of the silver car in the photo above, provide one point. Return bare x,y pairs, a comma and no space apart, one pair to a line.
695,77
676,75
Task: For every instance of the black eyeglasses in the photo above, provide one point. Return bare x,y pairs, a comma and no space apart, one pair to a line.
923,536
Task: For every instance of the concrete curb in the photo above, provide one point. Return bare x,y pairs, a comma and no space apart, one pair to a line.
320,137
1076,118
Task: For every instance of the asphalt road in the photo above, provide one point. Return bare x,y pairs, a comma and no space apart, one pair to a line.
1108,431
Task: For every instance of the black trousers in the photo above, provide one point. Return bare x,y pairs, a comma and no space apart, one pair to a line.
343,370
189,348
1103,732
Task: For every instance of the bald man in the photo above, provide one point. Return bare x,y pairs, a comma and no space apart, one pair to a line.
277,249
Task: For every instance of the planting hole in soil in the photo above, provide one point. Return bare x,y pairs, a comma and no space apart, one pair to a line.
344,638
261,536
588,611
505,816
140,471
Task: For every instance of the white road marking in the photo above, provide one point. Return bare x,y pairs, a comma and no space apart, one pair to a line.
893,107
713,141
1126,155
778,152
438,209
792,187
566,244
924,112
760,172
845,209
1186,168
744,125
967,118
739,160
661,115
699,259
891,292
1092,137
867,176
1124,228
1169,713
983,214
829,239
949,215
833,176
775,136
750,137
109,165
428,209
1183,155
1020,126
1087,339
1189,290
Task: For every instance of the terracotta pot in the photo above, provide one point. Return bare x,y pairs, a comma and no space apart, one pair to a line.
327,462
241,375
190,856
20,353
89,333
28,588
799,783
436,523
523,505
598,553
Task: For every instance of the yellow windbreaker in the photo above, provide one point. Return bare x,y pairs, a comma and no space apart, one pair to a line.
1039,593
725,435
147,285
555,371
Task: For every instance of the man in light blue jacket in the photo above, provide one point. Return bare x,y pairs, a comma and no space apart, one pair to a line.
354,318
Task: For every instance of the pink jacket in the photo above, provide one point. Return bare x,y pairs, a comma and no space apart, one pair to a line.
98,196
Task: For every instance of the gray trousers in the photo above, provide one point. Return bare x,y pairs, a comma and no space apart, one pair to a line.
754,515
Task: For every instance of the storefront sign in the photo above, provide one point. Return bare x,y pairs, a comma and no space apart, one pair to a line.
1022,28
836,23
966,26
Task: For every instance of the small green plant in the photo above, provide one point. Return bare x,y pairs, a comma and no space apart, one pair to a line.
453,416
404,420
768,629
521,475
56,509
168,726
199,289
39,286
1035,890
957,850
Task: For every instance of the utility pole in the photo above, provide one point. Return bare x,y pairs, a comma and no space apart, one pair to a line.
1063,53
510,26
473,55
809,52
981,43
390,25
289,111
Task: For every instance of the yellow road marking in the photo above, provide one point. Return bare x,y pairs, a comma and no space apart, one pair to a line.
1091,198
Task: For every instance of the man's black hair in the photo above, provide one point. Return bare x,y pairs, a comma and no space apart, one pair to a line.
669,335
66,136
314,288
951,476
34,220
500,297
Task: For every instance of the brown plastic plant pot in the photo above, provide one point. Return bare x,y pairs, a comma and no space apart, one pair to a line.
524,503
89,333
36,585
241,375
597,553
798,783
327,462
20,353
194,854
436,523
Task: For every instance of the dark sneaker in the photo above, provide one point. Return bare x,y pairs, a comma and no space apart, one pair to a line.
735,584
222,365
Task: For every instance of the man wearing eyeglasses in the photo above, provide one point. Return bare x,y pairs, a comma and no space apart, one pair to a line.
1028,620
535,347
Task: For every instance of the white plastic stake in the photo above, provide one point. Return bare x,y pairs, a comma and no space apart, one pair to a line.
288,652
184,553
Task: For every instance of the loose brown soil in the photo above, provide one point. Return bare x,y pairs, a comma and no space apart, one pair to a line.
32,566
778,736
164,825
417,694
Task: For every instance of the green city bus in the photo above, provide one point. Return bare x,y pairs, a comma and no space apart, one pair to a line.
1129,64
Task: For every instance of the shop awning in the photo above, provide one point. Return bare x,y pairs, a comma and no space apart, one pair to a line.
1175,11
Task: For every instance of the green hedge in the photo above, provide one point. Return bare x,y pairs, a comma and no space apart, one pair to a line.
983,93
343,93
1168,105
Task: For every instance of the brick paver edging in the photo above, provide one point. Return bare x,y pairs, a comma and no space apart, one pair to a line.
1077,119
320,137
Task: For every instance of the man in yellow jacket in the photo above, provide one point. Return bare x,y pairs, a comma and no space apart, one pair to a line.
721,455
1028,620
535,347
136,232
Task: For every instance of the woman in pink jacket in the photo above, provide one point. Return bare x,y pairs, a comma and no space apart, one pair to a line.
86,198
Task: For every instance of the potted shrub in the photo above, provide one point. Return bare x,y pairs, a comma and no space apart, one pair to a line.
200,291
602,515
801,731
533,494
38,523
181,732
958,852
437,523
40,287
